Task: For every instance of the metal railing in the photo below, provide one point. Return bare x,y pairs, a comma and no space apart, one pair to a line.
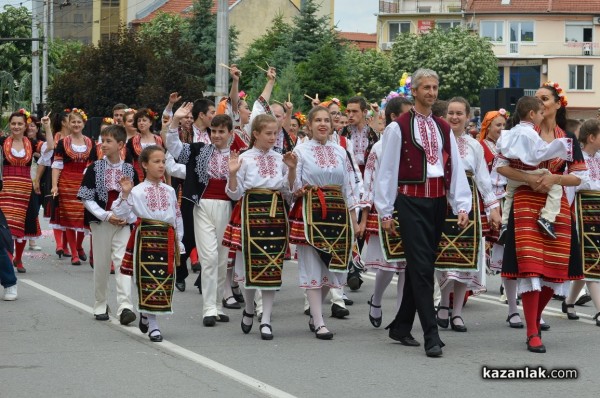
548,48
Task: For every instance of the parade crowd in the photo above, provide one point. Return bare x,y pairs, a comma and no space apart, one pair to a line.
413,187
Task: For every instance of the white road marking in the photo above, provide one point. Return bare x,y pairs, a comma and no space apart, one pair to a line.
257,385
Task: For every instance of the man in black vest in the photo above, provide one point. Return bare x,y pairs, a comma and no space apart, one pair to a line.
420,173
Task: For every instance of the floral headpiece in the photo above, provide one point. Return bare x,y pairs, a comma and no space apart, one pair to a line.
503,112
79,111
153,115
301,118
108,120
242,95
559,91
487,120
27,115
129,110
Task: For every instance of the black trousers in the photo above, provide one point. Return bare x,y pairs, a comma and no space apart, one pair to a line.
421,224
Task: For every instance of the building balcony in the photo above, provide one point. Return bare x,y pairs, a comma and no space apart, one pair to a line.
546,49
419,7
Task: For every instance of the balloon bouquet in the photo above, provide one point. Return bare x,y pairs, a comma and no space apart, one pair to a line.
402,91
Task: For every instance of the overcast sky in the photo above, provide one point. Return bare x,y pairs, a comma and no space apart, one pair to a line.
350,15
356,15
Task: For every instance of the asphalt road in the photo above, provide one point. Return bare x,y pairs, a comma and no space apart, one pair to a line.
51,346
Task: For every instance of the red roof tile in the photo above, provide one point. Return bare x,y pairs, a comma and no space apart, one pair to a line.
363,41
179,7
532,6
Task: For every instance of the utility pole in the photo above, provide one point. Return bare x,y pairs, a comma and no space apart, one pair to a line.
37,11
45,24
221,74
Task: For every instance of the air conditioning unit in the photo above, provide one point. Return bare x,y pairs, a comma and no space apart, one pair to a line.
596,20
471,26
387,46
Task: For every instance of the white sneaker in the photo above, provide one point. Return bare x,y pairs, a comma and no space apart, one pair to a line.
10,293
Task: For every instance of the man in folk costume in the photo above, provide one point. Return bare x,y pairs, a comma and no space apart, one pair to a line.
207,168
420,172
285,142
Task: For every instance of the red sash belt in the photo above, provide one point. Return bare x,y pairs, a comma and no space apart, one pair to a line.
215,190
432,188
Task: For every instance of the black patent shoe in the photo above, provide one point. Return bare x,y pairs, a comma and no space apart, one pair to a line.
597,319
376,322
143,326
155,338
514,325
570,315
234,306
239,297
443,323
323,336
209,321
434,352
180,286
247,328
102,317
457,328
266,336
337,311
540,349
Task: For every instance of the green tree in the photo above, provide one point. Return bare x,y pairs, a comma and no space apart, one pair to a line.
310,32
465,62
15,56
370,73
203,33
157,33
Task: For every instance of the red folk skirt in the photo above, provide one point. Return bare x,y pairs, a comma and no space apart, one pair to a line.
70,210
15,197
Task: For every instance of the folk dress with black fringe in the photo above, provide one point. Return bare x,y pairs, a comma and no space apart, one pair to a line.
321,225
533,258
17,197
461,253
375,256
153,250
587,209
72,160
258,229
135,146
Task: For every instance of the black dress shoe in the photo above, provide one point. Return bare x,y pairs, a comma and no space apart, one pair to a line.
595,318
545,327
376,322
127,316
82,255
102,317
307,311
354,281
198,283
239,297
434,352
266,336
196,267
408,341
443,323
515,325
570,315
234,306
180,286
209,321
457,328
540,349
222,318
339,312
156,338
586,298
311,324
323,336
143,326
247,328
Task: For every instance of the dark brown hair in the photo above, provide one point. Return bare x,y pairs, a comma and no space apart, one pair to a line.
590,127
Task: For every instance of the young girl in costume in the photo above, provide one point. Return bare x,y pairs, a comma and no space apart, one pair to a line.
142,121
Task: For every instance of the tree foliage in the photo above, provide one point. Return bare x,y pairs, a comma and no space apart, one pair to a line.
370,73
15,56
465,62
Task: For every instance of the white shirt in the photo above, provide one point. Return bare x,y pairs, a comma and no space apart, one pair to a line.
386,190
326,164
260,170
592,182
152,201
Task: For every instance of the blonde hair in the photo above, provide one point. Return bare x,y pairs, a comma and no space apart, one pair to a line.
258,125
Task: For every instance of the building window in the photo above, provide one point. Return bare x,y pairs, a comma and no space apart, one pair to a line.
527,77
579,33
493,30
580,77
397,28
521,32
447,25
78,18
426,10
110,3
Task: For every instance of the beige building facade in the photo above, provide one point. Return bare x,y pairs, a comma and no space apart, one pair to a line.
533,41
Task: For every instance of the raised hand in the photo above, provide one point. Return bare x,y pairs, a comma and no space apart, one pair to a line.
126,185
234,162
174,97
288,107
234,72
46,120
272,73
290,159
183,110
